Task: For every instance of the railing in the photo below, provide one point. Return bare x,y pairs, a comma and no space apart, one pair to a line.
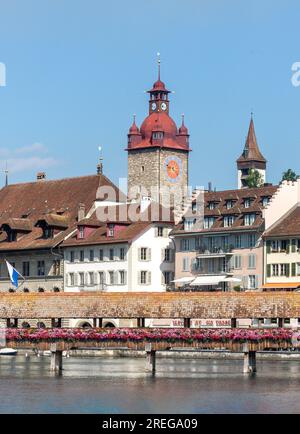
215,250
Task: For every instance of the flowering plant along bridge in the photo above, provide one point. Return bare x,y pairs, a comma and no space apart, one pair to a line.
140,306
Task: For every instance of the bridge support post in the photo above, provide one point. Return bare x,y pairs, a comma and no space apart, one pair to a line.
187,323
150,359
233,323
141,322
100,322
56,359
249,360
280,322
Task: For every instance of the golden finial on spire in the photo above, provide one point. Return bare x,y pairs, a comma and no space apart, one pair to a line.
158,64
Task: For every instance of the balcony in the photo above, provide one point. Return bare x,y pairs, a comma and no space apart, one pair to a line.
214,252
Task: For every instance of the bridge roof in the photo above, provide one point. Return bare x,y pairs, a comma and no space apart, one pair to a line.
150,305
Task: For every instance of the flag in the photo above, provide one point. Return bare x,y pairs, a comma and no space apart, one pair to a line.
13,274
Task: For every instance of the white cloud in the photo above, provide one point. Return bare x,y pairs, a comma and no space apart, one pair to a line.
26,158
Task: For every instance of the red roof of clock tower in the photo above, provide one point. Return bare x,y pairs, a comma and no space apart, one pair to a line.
158,129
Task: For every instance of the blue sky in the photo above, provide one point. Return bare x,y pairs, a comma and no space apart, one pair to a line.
76,72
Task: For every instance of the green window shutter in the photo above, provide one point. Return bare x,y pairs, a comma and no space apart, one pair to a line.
268,246
287,246
293,246
287,270
293,269
269,270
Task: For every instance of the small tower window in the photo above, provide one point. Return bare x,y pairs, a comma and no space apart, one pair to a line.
158,135
143,169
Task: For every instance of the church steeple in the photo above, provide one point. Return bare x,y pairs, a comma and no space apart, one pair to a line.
251,158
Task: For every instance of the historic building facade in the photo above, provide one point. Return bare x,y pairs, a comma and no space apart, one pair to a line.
158,151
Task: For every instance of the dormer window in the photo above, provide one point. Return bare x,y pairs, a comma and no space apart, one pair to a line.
229,204
249,219
47,232
11,235
265,200
81,232
158,135
247,202
228,221
111,230
211,205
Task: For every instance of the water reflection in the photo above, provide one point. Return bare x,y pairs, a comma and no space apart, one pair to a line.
121,385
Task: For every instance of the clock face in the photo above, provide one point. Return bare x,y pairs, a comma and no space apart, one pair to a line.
153,106
173,167
163,106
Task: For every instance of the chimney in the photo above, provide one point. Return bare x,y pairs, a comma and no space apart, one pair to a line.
81,211
41,176
209,186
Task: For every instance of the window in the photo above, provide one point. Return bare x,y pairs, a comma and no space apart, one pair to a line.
251,240
111,254
167,277
211,205
122,275
41,268
167,255
81,255
101,255
252,282
26,269
111,230
185,263
91,255
101,278
247,202
228,221
142,169
265,200
189,224
160,231
81,279
249,219
47,232
81,231
229,204
56,267
111,278
145,277
238,241
11,235
143,254
275,270
157,135
122,254
72,256
185,244
91,278
71,279
237,261
251,261
208,222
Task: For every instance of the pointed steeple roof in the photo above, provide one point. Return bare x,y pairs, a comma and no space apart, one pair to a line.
251,150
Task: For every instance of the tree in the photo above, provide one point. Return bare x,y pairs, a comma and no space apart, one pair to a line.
289,175
254,179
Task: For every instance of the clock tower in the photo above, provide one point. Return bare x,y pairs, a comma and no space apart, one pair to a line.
158,151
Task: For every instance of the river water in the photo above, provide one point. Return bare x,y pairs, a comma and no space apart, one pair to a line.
120,385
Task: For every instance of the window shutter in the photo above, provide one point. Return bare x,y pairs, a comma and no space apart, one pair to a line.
140,254
256,281
287,246
149,254
287,270
268,246
293,269
293,246
269,270
125,277
162,255
172,255
165,232
149,277
162,278
139,277
156,231
245,282
116,278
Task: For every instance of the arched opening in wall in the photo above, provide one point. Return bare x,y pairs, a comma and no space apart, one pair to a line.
109,324
25,325
26,290
56,289
11,290
84,324
40,289
41,325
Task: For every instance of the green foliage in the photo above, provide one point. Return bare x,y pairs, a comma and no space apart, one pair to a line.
289,175
254,179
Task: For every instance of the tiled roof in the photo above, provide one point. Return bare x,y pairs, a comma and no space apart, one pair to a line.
288,225
55,201
238,209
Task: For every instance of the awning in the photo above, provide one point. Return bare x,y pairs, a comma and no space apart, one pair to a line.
232,279
208,280
284,285
183,280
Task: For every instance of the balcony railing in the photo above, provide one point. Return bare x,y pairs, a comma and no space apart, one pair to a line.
215,251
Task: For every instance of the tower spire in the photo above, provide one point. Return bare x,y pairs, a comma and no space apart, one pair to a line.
6,175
